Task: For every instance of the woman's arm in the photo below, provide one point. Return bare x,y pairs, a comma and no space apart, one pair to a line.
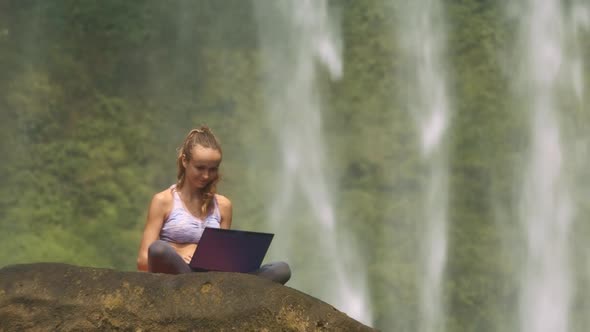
158,209
225,209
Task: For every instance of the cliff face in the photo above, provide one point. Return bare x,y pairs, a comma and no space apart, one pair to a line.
60,297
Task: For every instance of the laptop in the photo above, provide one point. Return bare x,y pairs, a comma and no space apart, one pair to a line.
228,250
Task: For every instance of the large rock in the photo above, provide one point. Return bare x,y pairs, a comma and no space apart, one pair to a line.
60,297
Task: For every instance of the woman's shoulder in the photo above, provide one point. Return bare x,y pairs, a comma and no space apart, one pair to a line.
225,210
222,201
163,198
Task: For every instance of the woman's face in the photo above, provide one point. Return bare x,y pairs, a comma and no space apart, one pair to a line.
203,167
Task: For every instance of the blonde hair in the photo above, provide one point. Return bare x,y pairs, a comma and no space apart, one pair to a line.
204,137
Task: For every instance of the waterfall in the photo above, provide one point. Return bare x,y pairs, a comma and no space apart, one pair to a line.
299,39
551,64
421,32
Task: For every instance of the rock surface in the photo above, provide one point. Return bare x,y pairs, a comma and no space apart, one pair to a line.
61,297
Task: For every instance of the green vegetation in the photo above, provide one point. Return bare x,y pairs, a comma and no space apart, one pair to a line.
95,96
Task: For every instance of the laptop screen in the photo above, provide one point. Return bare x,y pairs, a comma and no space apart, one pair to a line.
230,250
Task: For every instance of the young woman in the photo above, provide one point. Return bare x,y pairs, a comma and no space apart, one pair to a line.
178,215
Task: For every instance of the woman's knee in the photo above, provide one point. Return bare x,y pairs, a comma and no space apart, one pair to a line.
277,271
281,272
159,249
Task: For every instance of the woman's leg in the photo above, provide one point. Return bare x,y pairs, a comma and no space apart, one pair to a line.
162,258
278,272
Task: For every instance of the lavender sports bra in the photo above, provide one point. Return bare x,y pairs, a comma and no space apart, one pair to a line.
181,226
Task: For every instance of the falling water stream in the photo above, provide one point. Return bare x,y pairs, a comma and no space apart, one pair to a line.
422,34
298,37
547,210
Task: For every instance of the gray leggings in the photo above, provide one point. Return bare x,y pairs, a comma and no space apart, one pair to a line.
162,258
